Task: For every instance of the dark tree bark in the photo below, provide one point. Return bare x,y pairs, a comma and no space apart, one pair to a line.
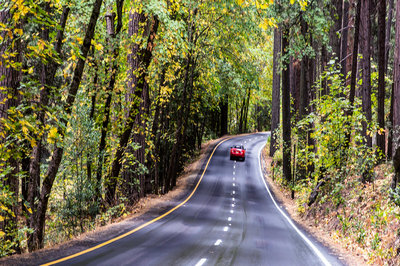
336,14
380,137
389,151
365,46
388,34
153,162
295,77
304,76
344,43
276,91
396,102
355,53
324,63
10,77
286,127
174,162
223,105
246,110
135,98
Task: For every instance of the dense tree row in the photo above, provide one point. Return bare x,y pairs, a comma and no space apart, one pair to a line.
102,102
338,76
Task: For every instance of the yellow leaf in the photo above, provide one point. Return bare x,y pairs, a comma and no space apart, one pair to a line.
98,46
4,208
18,31
25,130
52,135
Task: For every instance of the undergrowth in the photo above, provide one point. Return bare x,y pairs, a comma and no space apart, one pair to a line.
337,183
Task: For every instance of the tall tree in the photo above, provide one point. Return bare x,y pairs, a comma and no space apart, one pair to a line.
286,117
396,102
10,76
365,46
344,43
355,53
276,91
223,106
387,50
336,14
380,138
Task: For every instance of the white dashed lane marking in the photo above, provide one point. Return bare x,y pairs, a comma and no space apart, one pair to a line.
231,211
201,262
218,242
230,219
226,228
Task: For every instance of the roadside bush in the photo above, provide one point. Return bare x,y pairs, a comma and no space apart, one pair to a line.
332,148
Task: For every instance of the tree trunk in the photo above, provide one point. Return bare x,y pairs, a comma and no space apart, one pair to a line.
181,124
246,110
365,46
286,127
345,30
295,77
276,91
389,151
223,105
388,34
396,101
355,53
380,137
304,76
336,14
10,77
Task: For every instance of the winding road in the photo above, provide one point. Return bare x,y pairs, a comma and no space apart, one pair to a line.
229,219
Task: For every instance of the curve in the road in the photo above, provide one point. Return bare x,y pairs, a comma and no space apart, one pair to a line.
230,219
143,225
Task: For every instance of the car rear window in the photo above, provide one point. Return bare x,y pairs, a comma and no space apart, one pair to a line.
238,147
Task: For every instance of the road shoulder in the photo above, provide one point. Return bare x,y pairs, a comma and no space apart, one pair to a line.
283,198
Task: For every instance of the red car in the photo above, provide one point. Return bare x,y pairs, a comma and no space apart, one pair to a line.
238,152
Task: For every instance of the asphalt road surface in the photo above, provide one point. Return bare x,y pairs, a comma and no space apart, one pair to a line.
231,219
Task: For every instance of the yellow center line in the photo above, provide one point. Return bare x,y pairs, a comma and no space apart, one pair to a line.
143,225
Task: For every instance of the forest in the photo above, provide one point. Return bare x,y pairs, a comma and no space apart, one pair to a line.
103,102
